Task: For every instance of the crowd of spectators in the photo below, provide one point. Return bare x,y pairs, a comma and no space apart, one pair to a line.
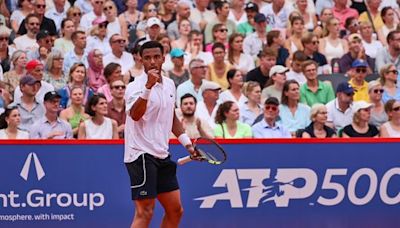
241,68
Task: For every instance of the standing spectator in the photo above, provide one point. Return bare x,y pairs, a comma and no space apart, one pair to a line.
314,91
340,112
95,75
222,11
78,54
218,69
332,46
44,23
261,74
179,74
88,18
236,57
370,43
55,75
183,13
294,115
342,11
310,43
112,72
227,122
98,37
64,43
275,42
389,24
27,41
388,79
391,53
17,16
116,107
391,129
98,126
234,91
207,108
360,126
74,114
118,54
268,127
247,27
378,114
253,43
10,121
358,73
12,77
114,26
50,126
201,15
277,14
317,128
251,108
277,78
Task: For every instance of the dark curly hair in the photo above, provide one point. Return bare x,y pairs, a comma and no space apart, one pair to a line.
222,109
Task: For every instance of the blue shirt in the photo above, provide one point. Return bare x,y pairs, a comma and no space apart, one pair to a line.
386,96
263,130
43,128
300,120
246,115
70,58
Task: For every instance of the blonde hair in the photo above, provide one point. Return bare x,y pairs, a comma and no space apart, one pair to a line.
248,87
384,70
315,109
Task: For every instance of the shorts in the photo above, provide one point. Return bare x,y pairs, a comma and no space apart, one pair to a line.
151,176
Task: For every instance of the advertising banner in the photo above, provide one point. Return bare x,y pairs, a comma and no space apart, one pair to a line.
263,184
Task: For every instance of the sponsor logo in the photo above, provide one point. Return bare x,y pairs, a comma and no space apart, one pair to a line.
38,167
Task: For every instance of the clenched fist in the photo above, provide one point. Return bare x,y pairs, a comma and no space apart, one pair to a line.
153,76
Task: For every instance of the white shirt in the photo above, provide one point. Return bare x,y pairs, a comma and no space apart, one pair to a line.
56,16
228,96
46,87
277,21
372,48
202,111
87,19
151,133
126,61
246,63
94,42
232,17
298,77
25,43
336,116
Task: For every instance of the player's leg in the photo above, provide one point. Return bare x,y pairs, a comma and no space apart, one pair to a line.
171,202
144,209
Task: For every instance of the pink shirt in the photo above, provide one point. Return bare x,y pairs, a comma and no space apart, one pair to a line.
105,89
344,14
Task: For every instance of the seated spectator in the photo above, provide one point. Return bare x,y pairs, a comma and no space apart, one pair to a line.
28,42
10,121
5,50
373,15
222,12
391,53
115,26
251,108
293,43
98,126
195,126
45,45
77,78
149,10
78,54
234,92
236,12
184,29
17,16
356,51
275,42
310,43
98,38
201,15
74,13
388,78
340,111
317,128
64,43
95,75
389,23
253,43
179,74
314,91
194,48
342,11
118,54
378,114
55,75
228,125
370,43
112,72
75,113
182,14
116,107
293,114
165,41
260,74
360,126
207,108
44,23
325,14
268,127
277,78
247,27
391,129
17,71
295,72
236,57
277,14
28,106
352,26
89,16
220,35
332,46
304,8
217,70
131,17
358,73
50,126
137,69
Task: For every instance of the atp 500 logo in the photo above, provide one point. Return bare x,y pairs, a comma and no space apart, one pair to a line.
281,186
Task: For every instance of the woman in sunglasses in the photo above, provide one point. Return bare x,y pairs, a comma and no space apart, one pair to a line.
317,128
378,114
391,129
9,122
98,38
227,121
388,78
220,35
74,13
115,26
360,126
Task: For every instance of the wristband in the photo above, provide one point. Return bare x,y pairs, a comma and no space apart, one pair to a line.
184,139
145,94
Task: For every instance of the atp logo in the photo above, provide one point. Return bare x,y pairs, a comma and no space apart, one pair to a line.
266,185
38,167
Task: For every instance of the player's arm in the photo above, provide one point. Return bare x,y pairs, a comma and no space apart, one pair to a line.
179,132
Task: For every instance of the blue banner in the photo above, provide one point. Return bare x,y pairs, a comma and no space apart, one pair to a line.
261,185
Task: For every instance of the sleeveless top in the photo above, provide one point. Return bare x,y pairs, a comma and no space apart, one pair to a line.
103,131
179,79
76,119
332,51
393,133
221,79
113,27
293,47
310,130
132,26
385,30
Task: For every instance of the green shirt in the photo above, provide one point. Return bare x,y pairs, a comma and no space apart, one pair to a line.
245,28
323,95
243,131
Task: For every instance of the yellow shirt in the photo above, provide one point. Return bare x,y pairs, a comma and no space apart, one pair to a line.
361,92
220,79
378,23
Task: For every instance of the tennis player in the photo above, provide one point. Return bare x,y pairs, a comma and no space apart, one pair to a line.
150,103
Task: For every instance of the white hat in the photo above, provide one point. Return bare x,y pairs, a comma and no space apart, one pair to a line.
358,105
153,21
278,69
209,85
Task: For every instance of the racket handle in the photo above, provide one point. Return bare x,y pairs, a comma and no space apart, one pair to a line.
184,160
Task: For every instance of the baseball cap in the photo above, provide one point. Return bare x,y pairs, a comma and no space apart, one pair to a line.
277,69
33,64
345,87
360,105
359,63
354,36
42,34
99,20
251,6
27,80
153,21
209,85
177,52
260,18
49,96
271,100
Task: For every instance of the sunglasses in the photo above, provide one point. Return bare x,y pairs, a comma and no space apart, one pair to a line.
41,6
271,107
3,38
223,30
378,90
98,2
107,8
361,70
349,94
118,41
119,87
32,24
396,109
76,14
393,71
152,10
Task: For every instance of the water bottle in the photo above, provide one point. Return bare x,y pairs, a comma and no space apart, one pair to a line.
335,68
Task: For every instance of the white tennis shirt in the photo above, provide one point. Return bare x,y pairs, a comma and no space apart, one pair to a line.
151,133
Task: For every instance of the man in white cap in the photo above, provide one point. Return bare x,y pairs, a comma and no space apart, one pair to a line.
153,28
207,108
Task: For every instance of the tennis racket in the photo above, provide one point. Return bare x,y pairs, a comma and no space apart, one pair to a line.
209,151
